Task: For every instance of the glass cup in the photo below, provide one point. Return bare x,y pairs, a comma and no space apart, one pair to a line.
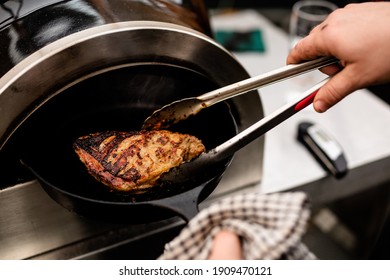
305,15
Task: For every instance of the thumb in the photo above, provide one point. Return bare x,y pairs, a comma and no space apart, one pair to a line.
338,87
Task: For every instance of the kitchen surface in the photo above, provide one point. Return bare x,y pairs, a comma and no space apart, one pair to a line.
349,214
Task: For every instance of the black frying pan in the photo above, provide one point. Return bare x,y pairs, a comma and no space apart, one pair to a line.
121,100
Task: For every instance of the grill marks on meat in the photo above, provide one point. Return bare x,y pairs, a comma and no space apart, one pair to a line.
134,161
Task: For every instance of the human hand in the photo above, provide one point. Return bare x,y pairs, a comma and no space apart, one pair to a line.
359,36
226,246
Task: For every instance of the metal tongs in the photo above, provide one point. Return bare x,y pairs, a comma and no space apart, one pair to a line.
182,109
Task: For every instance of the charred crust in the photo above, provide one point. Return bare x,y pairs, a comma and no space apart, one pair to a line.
124,168
163,140
133,175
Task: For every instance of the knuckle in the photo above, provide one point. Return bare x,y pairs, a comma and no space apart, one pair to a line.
350,6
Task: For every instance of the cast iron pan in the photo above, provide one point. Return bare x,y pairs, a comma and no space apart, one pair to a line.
121,100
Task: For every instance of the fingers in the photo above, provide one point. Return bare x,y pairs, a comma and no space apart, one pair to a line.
310,47
334,90
226,246
343,81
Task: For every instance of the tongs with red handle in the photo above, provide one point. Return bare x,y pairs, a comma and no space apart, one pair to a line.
182,109
207,160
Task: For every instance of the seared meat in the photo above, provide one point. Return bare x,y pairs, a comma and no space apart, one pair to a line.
134,161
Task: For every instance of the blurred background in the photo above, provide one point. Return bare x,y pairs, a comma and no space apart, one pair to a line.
279,13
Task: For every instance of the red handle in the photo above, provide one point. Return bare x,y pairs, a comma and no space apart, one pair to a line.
305,102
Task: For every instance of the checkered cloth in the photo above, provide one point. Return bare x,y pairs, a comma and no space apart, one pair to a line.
270,227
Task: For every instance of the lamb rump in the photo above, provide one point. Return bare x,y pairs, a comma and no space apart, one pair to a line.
134,161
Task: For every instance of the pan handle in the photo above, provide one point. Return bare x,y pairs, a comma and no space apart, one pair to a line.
184,204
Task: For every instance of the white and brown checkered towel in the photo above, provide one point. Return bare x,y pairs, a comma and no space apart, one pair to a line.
270,227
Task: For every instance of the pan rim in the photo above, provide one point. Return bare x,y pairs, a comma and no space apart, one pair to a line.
45,183
14,79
